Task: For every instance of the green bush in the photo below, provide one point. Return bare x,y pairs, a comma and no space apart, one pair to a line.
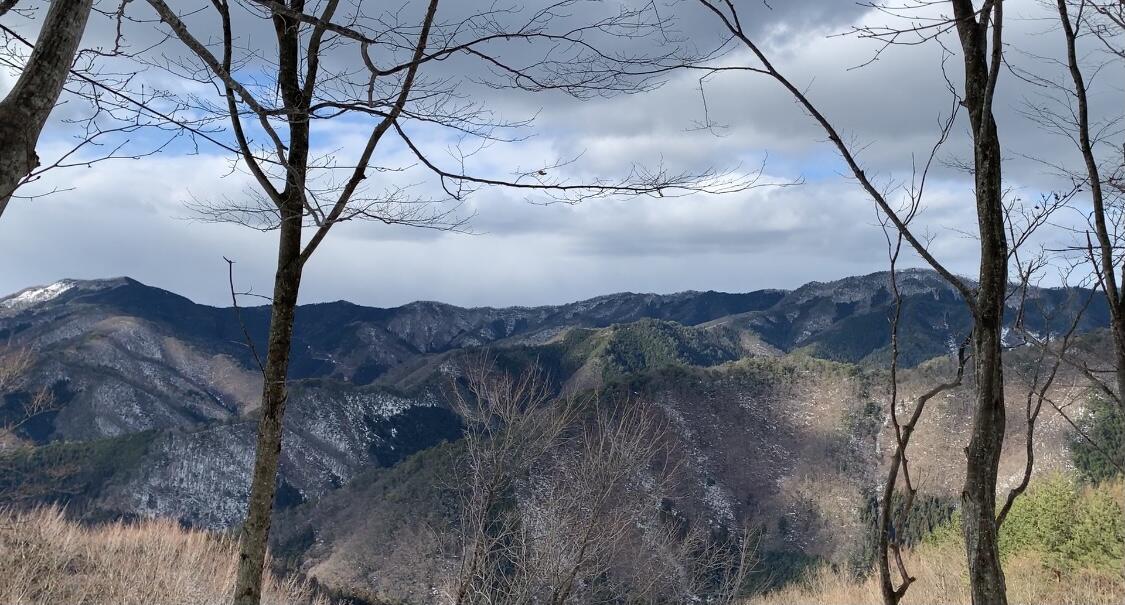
1042,521
1098,537
1105,425
1067,526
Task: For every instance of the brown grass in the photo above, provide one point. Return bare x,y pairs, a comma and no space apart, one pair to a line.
44,558
941,578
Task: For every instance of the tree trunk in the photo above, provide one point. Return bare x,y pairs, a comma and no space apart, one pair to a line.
291,208
890,596
1106,254
255,530
1119,337
26,108
978,498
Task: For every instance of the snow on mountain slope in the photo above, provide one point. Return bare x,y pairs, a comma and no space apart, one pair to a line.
34,296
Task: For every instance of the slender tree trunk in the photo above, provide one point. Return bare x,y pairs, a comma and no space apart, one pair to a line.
1119,337
287,282
978,498
255,530
886,584
26,108
890,595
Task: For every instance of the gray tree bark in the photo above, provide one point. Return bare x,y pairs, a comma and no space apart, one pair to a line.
26,108
287,281
256,528
978,497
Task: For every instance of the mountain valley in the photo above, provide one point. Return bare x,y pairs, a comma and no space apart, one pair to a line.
774,403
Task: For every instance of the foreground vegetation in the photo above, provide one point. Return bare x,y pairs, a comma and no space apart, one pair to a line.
942,578
1063,543
46,558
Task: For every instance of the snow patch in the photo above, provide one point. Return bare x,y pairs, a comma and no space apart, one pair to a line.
35,296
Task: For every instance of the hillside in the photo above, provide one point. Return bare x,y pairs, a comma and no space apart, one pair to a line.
774,402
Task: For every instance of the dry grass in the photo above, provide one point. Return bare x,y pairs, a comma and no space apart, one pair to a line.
941,578
45,558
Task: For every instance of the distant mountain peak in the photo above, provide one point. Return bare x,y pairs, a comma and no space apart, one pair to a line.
38,295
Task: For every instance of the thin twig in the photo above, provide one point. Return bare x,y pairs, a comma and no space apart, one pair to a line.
238,313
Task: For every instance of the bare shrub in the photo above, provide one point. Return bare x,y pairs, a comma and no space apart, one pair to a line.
562,503
15,366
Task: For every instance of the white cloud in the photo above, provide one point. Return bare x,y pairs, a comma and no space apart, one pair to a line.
121,217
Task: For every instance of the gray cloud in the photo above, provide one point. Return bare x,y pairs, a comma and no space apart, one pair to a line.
122,218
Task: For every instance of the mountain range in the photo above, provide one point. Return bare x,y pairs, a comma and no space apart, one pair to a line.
775,398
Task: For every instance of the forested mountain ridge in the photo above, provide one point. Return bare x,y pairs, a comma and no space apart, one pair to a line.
774,400
844,320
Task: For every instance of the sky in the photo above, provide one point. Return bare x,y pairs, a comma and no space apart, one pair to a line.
806,221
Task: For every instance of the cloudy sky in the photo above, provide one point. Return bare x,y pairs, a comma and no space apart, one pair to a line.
131,217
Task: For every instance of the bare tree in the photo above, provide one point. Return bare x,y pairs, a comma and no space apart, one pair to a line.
511,424
979,31
1093,33
581,509
1044,371
110,102
561,504
15,365
1073,120
892,521
24,111
332,62
1022,222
